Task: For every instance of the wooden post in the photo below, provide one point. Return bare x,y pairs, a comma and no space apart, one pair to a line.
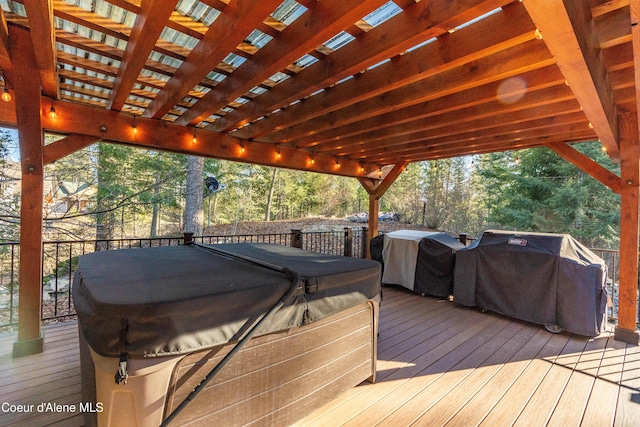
364,241
630,188
296,238
348,241
374,212
26,83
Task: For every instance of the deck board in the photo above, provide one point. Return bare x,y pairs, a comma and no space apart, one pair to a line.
439,364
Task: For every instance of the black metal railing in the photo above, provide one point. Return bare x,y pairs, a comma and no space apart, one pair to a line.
60,260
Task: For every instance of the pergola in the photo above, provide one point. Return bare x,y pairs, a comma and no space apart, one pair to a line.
358,88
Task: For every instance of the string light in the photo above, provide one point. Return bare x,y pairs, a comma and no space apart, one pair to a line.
6,96
52,111
242,148
135,127
195,139
278,155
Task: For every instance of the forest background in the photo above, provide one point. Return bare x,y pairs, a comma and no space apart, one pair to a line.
132,192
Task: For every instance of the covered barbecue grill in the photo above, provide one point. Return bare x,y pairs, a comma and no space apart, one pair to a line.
548,279
169,312
418,260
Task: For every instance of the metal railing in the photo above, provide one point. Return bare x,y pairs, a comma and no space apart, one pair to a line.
60,260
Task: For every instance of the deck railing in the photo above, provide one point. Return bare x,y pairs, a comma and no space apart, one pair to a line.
60,260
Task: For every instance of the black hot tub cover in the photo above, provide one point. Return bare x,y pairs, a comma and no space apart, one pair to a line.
548,279
172,300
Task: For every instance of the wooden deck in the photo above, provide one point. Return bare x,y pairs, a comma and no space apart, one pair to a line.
438,364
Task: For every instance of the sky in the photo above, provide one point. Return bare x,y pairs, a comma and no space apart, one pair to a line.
14,151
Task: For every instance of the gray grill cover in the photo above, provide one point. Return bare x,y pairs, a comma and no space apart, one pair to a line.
172,300
434,262
548,279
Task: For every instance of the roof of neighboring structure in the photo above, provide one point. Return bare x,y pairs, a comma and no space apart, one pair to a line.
345,87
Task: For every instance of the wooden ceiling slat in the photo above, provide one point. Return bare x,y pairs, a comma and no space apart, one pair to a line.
499,66
417,141
418,23
441,127
324,20
233,25
569,32
472,102
449,52
531,140
147,29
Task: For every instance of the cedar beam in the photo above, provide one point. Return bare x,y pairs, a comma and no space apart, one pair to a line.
66,146
5,57
569,32
626,330
586,164
376,189
31,136
154,134
42,33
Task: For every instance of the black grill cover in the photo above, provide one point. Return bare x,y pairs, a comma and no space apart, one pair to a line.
172,300
435,259
548,279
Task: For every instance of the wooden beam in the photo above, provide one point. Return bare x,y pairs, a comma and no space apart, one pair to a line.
635,43
42,31
529,56
5,57
27,96
626,329
150,22
420,134
326,19
587,165
376,189
419,21
234,24
446,53
569,32
65,146
113,126
545,86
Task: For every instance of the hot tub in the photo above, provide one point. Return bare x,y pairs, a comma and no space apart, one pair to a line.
169,315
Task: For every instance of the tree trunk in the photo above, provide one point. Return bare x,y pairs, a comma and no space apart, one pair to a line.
193,210
267,214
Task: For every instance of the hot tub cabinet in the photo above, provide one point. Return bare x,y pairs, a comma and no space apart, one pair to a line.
547,279
170,315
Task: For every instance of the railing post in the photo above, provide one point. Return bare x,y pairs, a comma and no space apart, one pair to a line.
296,238
188,237
365,241
348,241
